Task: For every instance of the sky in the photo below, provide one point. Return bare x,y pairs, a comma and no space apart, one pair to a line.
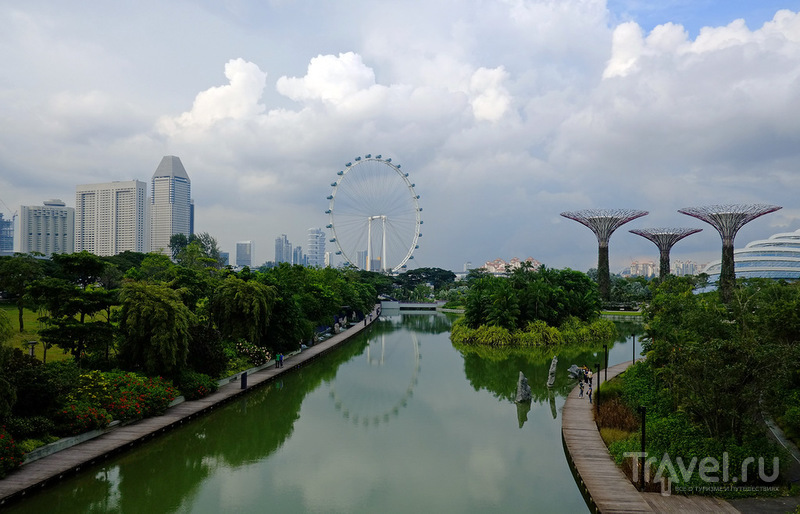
504,113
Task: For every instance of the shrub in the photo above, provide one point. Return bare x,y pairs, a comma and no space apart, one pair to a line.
256,355
10,453
95,388
79,417
613,413
141,396
42,389
206,352
32,427
195,385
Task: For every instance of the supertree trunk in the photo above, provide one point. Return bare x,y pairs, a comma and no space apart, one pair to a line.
727,274
603,273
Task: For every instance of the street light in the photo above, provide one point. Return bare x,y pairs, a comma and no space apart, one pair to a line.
597,389
31,344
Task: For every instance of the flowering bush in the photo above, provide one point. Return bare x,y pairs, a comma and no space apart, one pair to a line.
197,385
94,387
10,454
255,354
139,396
80,417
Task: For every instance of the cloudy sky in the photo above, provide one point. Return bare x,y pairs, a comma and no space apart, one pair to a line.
503,112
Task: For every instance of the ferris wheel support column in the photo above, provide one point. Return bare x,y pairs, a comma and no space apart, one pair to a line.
369,243
383,245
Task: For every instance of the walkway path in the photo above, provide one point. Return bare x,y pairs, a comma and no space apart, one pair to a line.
601,481
37,474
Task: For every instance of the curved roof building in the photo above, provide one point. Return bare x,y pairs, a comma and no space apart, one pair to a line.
777,257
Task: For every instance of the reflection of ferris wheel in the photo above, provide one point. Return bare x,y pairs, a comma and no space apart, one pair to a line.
374,215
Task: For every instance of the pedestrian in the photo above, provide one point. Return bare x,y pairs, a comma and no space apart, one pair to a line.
580,393
590,392
589,376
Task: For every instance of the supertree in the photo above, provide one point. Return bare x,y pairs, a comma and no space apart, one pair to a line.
603,222
664,239
728,219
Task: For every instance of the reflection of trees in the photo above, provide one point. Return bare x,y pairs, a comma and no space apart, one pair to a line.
244,431
626,328
497,369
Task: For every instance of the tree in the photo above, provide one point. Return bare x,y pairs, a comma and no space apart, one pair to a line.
155,328
242,310
16,274
177,243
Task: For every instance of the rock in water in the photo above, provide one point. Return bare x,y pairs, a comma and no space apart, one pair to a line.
523,389
573,371
551,379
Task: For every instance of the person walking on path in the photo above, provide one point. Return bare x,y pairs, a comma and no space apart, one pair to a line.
580,393
590,392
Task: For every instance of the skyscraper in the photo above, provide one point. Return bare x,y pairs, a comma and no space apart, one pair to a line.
48,228
6,236
283,250
298,257
171,206
316,247
244,254
110,217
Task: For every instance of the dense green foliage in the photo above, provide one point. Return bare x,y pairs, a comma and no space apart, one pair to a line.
712,369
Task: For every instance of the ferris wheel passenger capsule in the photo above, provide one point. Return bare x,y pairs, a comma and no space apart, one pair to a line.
369,155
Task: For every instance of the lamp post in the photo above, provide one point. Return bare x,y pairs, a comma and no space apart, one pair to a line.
605,350
31,344
597,389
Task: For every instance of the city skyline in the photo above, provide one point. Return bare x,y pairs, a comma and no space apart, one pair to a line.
503,114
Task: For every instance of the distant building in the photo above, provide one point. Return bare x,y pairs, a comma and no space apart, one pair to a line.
171,208
298,257
328,259
6,236
283,250
316,247
361,257
467,266
499,265
244,254
47,229
110,217
643,269
224,258
683,268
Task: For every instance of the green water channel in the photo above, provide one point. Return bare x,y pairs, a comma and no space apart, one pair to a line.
395,420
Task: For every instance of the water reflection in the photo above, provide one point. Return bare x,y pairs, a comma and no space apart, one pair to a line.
395,421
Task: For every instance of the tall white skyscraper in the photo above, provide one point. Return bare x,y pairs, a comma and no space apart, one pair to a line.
170,204
316,247
283,250
48,228
110,217
6,236
244,254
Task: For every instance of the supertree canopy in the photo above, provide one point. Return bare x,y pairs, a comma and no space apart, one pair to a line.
603,222
728,219
664,239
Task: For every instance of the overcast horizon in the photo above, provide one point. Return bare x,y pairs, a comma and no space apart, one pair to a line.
503,113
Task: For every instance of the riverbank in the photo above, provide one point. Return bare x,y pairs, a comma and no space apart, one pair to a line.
604,486
52,468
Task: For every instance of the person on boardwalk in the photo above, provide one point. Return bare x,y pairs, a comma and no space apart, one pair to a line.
580,393
590,392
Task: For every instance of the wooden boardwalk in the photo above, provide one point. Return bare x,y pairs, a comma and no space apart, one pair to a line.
604,486
37,474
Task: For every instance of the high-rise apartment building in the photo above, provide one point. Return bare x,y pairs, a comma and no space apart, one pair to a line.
244,254
47,229
298,257
283,250
171,209
6,236
110,217
316,247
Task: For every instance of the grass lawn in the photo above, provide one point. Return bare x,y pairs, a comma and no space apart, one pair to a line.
621,313
30,333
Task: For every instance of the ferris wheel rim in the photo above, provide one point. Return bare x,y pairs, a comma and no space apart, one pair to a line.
350,166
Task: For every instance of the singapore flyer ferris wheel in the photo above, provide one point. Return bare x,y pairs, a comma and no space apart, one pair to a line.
374,215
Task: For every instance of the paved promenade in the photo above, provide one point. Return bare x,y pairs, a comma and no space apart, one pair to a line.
37,474
601,481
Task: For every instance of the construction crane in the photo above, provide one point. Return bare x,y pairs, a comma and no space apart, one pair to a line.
13,215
